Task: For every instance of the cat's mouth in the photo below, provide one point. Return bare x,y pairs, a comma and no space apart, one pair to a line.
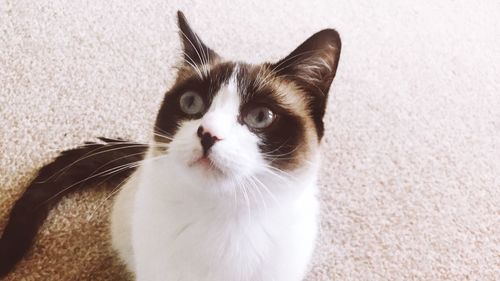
206,164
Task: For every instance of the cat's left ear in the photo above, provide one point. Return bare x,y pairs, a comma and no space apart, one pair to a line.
195,51
312,66
315,61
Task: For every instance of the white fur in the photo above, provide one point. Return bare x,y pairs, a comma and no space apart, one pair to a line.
175,221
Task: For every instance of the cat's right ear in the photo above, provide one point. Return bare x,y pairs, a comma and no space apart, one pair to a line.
195,51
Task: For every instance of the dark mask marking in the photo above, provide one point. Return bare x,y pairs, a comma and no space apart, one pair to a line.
170,116
280,141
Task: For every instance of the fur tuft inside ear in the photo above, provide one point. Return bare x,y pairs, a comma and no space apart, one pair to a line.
315,61
195,51
312,66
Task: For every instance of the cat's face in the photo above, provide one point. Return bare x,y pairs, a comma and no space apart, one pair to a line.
226,120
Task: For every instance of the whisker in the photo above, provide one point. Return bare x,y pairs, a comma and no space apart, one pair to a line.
91,153
113,192
247,200
280,155
163,136
117,159
277,173
274,150
165,140
162,132
113,170
266,189
257,188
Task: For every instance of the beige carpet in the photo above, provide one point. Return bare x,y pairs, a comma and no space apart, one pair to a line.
411,179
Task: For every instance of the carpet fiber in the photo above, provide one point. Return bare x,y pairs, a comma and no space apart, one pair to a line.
410,185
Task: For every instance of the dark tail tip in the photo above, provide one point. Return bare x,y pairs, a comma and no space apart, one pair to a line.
19,233
6,263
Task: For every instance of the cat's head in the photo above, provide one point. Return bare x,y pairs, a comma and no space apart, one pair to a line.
233,120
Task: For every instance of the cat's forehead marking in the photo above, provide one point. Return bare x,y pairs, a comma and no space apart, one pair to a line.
227,99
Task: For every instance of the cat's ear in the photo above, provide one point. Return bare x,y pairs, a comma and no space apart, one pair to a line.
195,51
314,63
312,66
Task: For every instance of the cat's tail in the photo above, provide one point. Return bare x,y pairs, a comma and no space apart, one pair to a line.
91,164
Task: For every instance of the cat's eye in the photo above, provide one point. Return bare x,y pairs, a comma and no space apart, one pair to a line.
259,117
191,103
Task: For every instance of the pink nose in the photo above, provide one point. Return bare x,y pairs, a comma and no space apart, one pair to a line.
215,124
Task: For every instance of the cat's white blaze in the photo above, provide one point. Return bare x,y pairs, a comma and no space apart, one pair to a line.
175,222
223,111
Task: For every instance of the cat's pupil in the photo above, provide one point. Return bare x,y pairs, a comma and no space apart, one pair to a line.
261,116
190,101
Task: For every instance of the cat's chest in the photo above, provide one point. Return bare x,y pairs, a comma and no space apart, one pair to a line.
186,236
189,225
196,245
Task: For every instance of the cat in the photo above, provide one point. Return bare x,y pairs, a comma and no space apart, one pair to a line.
226,188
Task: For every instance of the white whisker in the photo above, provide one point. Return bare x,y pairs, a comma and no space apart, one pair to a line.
113,192
91,153
111,171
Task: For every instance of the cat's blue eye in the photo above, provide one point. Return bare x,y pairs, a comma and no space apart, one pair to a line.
259,117
191,103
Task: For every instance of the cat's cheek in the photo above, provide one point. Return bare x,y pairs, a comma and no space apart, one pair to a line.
187,156
241,154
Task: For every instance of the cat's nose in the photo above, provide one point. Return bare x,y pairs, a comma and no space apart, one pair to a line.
207,139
